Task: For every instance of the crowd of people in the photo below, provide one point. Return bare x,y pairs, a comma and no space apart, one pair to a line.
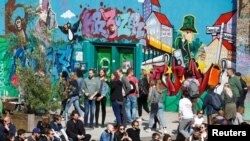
127,94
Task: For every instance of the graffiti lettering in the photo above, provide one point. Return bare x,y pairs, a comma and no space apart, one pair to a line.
112,24
122,23
99,24
109,16
87,22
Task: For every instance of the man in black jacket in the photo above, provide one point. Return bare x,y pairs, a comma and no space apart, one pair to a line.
75,128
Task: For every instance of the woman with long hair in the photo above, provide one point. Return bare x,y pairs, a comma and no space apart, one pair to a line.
101,97
143,95
116,96
229,101
156,99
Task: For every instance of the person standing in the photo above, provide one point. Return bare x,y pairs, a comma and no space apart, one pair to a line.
91,87
116,97
191,87
229,102
156,99
235,85
101,97
143,95
125,91
209,102
73,92
244,88
131,101
63,91
185,115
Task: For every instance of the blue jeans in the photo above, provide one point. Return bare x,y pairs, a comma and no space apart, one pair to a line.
75,101
160,115
117,111
89,106
131,105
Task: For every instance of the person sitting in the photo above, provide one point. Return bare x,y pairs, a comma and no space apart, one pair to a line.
44,124
167,137
196,135
57,128
204,133
121,134
156,137
20,135
6,128
36,132
47,136
107,135
75,128
134,132
198,119
126,137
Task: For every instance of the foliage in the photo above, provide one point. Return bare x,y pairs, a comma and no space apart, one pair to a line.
38,92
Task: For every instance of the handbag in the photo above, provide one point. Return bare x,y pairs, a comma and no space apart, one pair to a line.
154,104
154,107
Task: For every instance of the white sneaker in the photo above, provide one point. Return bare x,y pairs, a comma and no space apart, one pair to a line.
164,130
148,130
139,119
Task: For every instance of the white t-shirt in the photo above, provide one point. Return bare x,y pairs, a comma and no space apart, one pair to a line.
185,108
198,121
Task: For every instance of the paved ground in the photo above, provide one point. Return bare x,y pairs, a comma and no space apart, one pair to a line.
170,117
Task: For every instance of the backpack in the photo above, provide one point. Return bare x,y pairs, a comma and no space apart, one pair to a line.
143,86
193,89
216,101
132,86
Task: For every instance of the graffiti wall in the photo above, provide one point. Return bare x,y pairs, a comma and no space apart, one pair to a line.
191,34
243,40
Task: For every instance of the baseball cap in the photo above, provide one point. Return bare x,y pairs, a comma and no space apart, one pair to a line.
36,130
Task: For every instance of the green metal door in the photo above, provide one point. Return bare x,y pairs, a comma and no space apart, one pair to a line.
104,62
126,59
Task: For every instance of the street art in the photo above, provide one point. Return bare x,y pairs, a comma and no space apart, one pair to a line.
112,24
198,40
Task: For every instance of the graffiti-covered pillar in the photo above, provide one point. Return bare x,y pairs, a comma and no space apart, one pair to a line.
89,54
139,59
243,39
243,47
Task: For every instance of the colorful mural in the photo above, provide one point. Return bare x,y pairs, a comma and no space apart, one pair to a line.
185,33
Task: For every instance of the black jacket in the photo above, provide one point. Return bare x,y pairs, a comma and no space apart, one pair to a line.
134,134
116,90
75,128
